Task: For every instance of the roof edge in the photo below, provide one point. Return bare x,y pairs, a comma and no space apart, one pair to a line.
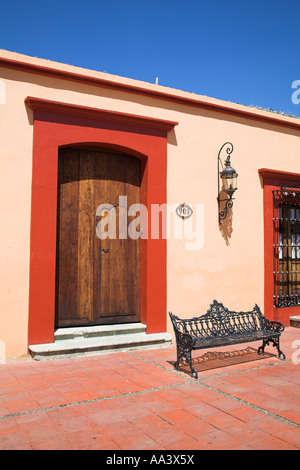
184,98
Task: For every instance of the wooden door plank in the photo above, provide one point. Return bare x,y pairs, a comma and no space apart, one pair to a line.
86,222
101,261
115,256
132,255
67,282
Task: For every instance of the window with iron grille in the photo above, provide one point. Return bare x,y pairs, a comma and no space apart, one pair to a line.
286,245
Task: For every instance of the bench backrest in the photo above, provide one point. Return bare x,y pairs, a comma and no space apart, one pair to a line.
219,321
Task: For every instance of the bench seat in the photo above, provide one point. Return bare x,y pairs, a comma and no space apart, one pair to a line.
234,339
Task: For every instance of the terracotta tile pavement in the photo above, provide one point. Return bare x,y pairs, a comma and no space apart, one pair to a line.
137,401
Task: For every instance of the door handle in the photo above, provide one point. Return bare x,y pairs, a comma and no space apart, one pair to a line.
104,250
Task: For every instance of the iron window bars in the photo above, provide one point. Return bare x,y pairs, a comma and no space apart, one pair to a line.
286,246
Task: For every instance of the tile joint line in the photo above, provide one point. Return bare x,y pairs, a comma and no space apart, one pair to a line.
164,387
88,402
200,382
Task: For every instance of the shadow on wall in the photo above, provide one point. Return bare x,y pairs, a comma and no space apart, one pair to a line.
225,225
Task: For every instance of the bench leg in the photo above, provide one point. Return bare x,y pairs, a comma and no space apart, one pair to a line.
275,342
185,354
261,349
281,355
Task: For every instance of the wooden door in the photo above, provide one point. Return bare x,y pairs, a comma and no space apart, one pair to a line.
97,281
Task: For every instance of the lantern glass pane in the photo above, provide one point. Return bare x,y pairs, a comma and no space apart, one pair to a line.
229,182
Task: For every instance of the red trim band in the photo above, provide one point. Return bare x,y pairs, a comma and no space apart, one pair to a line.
39,104
278,175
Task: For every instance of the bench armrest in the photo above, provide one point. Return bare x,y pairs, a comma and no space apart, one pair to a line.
275,326
184,339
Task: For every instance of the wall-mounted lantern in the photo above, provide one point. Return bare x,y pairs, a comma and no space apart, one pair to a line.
228,177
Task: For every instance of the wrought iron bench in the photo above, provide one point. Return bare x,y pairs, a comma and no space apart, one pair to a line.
222,327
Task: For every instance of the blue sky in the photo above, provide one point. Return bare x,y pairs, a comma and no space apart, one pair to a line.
246,52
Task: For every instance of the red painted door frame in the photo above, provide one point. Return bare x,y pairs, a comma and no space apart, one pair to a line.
57,125
273,180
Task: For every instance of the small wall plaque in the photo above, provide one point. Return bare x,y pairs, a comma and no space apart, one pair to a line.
184,211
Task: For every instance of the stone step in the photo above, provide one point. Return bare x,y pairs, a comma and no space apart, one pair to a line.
295,321
96,340
100,330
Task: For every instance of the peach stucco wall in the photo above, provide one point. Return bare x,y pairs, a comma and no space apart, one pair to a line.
228,266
